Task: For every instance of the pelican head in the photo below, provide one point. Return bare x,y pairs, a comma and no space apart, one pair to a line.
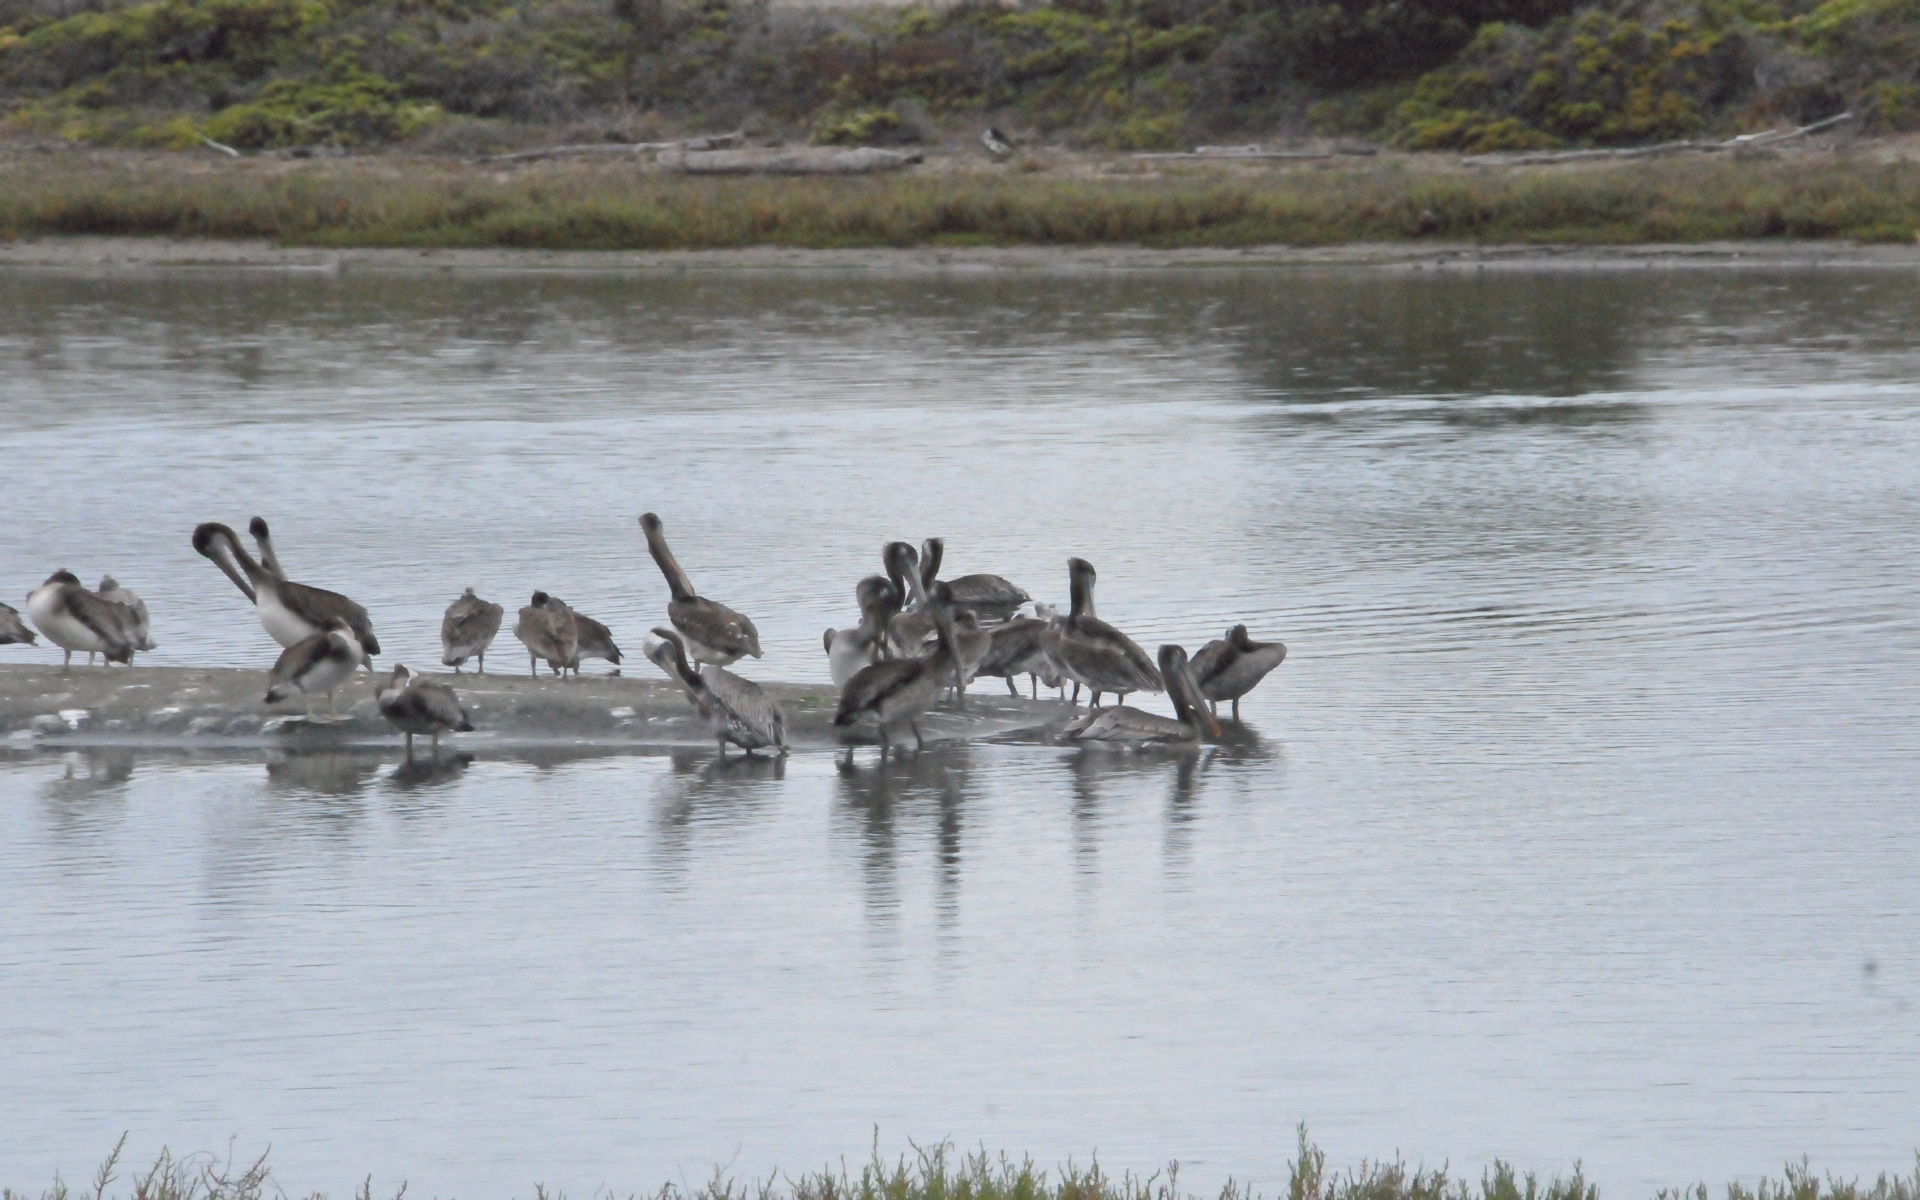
221,544
64,576
903,567
1241,640
1081,577
931,552
669,653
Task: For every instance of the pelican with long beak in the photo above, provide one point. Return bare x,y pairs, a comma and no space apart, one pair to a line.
290,612
848,650
908,631
713,633
317,664
736,709
73,618
1091,652
989,595
1229,668
424,706
1131,727
899,690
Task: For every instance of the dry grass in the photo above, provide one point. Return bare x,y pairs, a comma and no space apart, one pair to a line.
598,206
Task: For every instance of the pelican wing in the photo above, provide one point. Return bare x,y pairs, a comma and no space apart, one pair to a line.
550,633
873,685
298,659
750,711
108,622
1013,644
469,628
1244,672
713,624
1211,659
986,591
595,640
319,607
13,629
1095,654
139,625
436,704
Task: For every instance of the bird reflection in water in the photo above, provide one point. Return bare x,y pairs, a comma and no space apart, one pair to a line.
91,773
701,787
428,771
320,772
904,788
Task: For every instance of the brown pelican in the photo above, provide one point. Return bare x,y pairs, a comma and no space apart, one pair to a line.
989,595
13,629
714,633
1130,726
1018,648
595,641
548,628
468,629
73,618
1091,652
736,709
422,706
970,644
908,632
138,623
1230,668
320,663
900,689
290,612
850,649
263,537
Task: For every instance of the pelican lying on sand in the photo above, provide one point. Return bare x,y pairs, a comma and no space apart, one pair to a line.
317,664
1228,669
468,629
736,709
290,612
139,625
900,689
848,650
423,706
73,618
13,629
713,633
548,629
1131,727
1091,652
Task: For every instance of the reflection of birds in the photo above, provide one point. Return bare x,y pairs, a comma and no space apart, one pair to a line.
290,612
138,623
13,629
317,664
899,690
73,618
425,772
328,772
996,143
1230,668
422,706
468,629
714,633
549,631
736,709
1089,651
1132,727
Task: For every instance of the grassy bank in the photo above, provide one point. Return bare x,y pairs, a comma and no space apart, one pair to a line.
437,203
944,1173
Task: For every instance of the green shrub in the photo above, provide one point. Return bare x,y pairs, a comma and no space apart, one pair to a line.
863,127
295,113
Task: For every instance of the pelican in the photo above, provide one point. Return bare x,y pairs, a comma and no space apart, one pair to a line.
1018,647
908,631
1230,668
320,663
714,633
1130,726
468,629
991,595
970,644
1091,652
290,612
422,706
263,537
138,623
850,649
13,629
736,709
548,628
595,641
73,618
900,689
996,143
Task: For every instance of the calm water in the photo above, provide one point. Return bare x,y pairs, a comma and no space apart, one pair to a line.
1579,824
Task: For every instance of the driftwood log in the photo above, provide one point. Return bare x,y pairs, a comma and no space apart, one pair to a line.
1260,152
718,141
1746,141
801,161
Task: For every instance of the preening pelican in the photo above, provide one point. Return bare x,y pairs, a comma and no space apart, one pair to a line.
138,623
908,631
468,629
1093,653
1228,669
850,649
713,632
989,595
423,706
736,709
595,641
548,629
1018,647
900,689
73,618
290,612
317,664
1130,726
13,629
263,538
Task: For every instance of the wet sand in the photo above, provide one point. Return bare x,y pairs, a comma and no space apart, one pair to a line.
166,706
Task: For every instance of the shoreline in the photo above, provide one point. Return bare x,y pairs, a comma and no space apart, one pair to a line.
119,255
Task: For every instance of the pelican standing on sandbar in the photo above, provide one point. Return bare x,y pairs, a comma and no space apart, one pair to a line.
468,629
848,650
73,618
988,595
317,664
1095,654
423,706
901,689
548,629
1132,727
289,612
1229,668
736,709
139,624
712,632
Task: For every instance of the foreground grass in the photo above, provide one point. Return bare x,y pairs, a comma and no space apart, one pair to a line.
943,1173
375,202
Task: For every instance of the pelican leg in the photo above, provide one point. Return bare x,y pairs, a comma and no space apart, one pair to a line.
68,665
885,744
1236,708
723,748
1213,706
1076,693
333,710
533,666
1011,689
483,662
313,718
436,743
409,745
919,743
456,668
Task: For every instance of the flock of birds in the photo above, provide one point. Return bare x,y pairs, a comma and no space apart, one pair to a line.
918,637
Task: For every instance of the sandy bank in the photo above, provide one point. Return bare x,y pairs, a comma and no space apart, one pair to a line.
162,706
116,255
